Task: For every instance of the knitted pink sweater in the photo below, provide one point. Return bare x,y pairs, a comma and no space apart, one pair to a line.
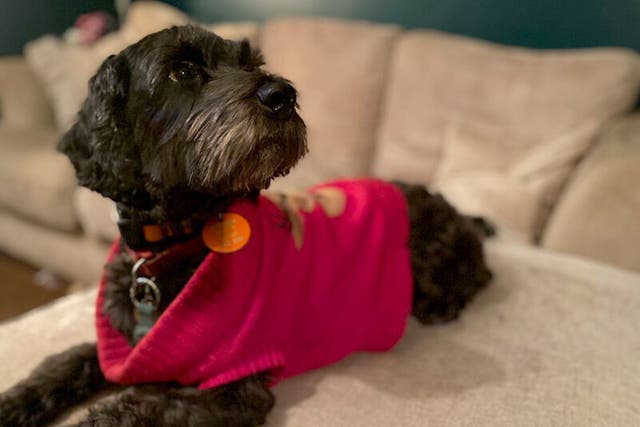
276,306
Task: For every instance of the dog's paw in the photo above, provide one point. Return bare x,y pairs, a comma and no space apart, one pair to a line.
433,314
17,409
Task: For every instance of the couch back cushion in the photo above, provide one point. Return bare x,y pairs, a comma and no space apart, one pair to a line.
22,100
339,69
603,194
498,129
37,182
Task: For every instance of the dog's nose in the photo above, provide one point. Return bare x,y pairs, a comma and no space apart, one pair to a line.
278,96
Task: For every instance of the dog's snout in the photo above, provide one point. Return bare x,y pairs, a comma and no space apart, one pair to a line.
277,96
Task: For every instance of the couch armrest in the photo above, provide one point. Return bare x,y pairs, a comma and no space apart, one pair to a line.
22,101
598,215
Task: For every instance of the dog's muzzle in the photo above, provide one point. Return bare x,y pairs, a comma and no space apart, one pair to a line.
279,97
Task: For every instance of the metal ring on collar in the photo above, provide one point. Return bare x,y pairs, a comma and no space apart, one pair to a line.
150,290
136,267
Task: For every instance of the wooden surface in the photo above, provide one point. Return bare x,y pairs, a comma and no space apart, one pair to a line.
19,291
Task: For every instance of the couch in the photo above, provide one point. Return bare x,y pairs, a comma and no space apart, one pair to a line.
542,142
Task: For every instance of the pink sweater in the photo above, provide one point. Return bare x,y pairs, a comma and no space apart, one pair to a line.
277,306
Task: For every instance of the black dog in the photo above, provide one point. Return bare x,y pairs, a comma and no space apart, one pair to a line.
176,128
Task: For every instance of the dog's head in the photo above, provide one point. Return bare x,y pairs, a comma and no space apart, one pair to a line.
184,110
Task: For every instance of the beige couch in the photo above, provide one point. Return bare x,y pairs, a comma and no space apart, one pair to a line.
541,142
498,129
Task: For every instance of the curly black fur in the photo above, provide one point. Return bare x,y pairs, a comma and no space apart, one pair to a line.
173,127
59,382
243,403
447,260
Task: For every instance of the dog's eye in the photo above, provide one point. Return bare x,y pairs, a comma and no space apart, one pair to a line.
184,71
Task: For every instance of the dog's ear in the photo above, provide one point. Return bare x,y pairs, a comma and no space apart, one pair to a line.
99,144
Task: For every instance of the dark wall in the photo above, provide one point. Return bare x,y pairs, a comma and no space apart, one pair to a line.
24,20
534,23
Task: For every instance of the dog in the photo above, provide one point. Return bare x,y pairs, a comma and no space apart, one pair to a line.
184,130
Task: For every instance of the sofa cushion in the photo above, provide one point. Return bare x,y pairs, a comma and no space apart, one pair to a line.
65,69
598,215
339,69
97,214
72,256
498,129
552,340
37,181
22,100
236,31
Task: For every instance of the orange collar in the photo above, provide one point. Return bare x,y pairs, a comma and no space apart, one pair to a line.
140,234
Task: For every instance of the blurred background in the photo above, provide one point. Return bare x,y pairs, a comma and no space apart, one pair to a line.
532,23
531,138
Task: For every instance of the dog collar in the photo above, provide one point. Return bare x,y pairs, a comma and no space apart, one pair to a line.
157,263
140,232
142,236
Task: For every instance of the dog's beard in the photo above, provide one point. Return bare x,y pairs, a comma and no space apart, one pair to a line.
242,148
229,145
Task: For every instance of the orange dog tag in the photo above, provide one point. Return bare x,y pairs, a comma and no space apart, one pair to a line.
228,234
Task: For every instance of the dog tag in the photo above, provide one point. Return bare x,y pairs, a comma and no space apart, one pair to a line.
227,234
146,302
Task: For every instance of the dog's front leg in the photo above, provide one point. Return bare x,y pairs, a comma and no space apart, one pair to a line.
244,403
58,383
